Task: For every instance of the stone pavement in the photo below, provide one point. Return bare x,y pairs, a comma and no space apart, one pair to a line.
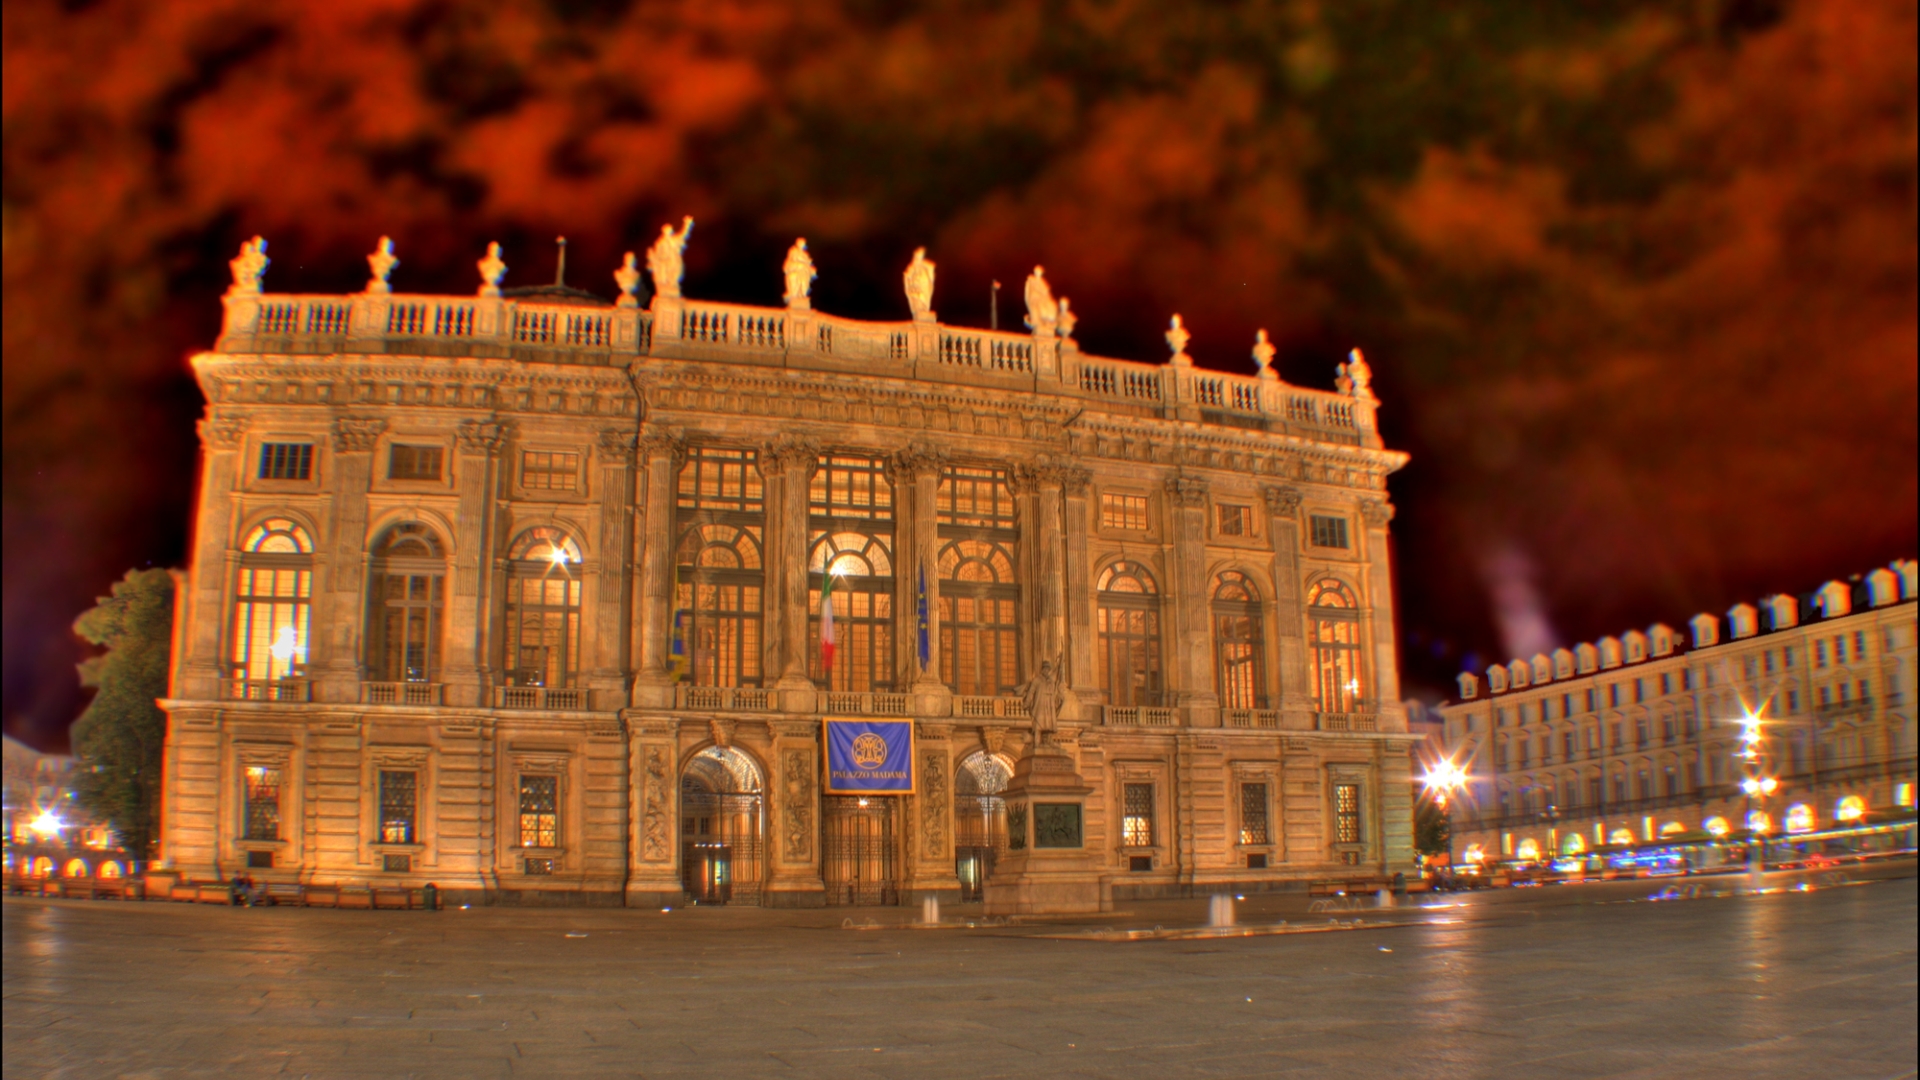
1575,981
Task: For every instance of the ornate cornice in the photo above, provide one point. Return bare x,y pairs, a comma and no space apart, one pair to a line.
357,434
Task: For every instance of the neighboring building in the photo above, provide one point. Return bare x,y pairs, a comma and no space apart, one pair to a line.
1634,738
520,593
47,834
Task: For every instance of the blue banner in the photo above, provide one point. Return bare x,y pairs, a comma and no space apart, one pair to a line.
869,757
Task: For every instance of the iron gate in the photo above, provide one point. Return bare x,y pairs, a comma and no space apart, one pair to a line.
979,833
860,866
721,856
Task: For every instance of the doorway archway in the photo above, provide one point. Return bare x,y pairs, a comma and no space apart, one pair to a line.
861,865
722,816
979,819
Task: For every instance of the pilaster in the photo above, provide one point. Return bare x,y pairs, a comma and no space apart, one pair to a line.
660,450
788,465
337,609
612,648
917,486
794,880
929,841
1289,617
222,438
653,760
1192,639
478,445
1384,654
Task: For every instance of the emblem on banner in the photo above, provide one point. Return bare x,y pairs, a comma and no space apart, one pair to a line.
869,751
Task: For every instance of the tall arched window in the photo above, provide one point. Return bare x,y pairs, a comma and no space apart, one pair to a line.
1239,654
271,599
1129,635
850,534
407,597
1333,618
979,591
542,641
720,579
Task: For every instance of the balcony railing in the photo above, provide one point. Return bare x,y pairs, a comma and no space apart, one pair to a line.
846,704
983,708
1251,718
279,691
569,699
1140,716
400,693
723,698
1342,721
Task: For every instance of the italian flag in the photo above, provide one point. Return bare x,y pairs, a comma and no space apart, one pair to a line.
826,622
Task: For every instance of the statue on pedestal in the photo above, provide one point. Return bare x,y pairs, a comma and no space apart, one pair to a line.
628,278
800,274
1068,320
381,262
492,269
248,268
1356,376
1177,338
666,259
919,282
1263,355
1043,696
1043,314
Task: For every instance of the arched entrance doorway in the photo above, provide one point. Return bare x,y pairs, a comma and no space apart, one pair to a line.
860,866
722,810
979,819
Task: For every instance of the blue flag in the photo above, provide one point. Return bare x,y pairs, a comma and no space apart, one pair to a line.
926,651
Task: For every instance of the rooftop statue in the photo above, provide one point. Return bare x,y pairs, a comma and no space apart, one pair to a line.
492,269
1263,355
1043,314
381,262
628,278
248,268
1177,338
1043,697
1068,320
919,281
1355,377
799,270
666,259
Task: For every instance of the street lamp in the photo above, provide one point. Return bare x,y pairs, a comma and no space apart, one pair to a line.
1442,779
1757,785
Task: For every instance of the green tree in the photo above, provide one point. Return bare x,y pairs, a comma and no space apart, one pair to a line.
1432,829
119,738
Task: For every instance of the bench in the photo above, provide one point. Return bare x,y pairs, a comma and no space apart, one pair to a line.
322,896
213,894
393,899
278,892
359,899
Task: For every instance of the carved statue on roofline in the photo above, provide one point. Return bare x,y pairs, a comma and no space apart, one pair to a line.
1043,314
248,268
666,259
800,274
919,282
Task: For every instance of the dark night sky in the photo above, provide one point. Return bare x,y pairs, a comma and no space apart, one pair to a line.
1638,280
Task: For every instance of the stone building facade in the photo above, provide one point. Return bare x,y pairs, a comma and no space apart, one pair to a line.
1630,740
520,594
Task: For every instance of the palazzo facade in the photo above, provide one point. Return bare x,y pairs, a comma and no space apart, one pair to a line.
1629,741
520,594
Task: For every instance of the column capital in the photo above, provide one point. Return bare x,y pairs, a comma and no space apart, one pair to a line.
658,440
224,432
483,437
914,461
789,453
1187,490
357,434
1376,512
616,442
1283,501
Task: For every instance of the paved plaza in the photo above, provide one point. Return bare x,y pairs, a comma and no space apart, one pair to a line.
1575,981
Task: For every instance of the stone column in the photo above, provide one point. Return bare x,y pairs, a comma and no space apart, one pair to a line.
1082,677
1384,655
653,877
1050,596
661,450
1191,641
201,665
931,870
789,464
917,489
1295,698
794,880
469,672
339,608
611,593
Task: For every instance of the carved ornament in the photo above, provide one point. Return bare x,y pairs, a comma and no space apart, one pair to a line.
357,434
655,816
483,436
1375,512
1283,501
933,803
223,432
796,798
616,442
658,440
789,452
1187,490
920,458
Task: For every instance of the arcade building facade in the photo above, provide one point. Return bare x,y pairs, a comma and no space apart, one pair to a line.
520,594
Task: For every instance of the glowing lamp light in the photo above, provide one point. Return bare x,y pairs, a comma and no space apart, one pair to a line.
1718,826
1850,808
285,644
1761,785
1621,837
1475,854
1759,822
1574,845
1528,851
1799,818
47,824
1442,779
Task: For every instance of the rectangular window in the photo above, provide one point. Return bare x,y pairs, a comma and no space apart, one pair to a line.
1253,814
262,803
539,812
1793,700
414,462
1346,813
1767,666
1136,824
259,860
1666,681
1256,862
1686,678
1566,704
1613,696
540,867
1786,657
396,864
977,497
1119,511
1859,645
1593,700
544,471
1328,531
286,461
1639,690
1235,520
1596,790
397,806
1820,653
1567,738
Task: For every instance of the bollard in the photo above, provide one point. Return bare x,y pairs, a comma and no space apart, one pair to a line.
1220,910
930,910
1384,898
431,897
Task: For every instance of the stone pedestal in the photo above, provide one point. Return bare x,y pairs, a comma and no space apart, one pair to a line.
1047,869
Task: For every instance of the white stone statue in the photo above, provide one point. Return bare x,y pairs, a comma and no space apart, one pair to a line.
628,278
492,269
800,274
666,259
1263,355
1043,314
248,268
919,281
1177,338
1068,320
1359,375
1043,696
381,262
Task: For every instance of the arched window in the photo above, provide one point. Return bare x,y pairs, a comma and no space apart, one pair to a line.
1333,618
720,577
542,642
1129,632
1239,654
979,591
850,533
271,600
407,596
